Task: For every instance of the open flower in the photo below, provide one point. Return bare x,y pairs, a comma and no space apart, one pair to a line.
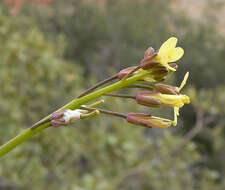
168,53
148,120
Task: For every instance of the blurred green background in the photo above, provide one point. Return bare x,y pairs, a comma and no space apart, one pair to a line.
51,50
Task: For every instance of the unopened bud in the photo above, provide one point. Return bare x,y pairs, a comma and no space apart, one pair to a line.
148,62
147,98
126,71
160,70
150,51
148,120
57,118
159,73
166,89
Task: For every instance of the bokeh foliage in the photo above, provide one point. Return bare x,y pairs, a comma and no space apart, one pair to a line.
49,54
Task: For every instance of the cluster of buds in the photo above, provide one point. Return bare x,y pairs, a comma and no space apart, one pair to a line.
157,61
153,69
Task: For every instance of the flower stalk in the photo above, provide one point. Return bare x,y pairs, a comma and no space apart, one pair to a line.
74,104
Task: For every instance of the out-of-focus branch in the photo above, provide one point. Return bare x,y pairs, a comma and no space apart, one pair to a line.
199,125
192,133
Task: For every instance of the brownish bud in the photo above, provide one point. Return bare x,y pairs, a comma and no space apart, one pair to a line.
166,89
126,71
146,98
148,120
57,118
66,117
160,71
139,119
148,62
150,51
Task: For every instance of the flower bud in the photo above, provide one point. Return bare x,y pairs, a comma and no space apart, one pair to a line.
126,71
159,73
158,70
148,120
166,89
148,62
57,118
150,51
147,98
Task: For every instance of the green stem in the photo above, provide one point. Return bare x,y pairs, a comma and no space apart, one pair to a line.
74,104
88,91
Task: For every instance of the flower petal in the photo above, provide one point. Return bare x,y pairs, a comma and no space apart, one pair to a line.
167,45
175,54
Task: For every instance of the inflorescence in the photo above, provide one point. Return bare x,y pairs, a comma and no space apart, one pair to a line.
148,75
156,94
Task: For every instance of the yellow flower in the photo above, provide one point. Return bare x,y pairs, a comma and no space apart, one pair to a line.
158,98
169,53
